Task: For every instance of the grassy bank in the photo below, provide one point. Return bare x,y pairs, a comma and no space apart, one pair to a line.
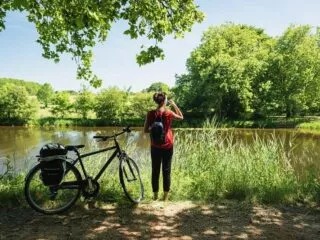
68,122
312,125
189,122
206,167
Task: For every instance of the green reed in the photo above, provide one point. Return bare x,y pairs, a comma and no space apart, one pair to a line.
11,184
207,166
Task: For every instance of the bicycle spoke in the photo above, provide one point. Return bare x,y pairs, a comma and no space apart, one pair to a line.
52,199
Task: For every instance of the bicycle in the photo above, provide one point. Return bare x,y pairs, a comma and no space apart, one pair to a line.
59,198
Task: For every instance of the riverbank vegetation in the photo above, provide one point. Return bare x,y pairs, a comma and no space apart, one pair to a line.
208,166
238,74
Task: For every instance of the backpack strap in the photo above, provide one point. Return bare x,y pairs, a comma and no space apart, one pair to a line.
160,116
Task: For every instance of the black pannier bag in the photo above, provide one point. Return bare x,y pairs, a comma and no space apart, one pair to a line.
52,159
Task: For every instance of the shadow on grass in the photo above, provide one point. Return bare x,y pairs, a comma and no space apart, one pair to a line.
156,220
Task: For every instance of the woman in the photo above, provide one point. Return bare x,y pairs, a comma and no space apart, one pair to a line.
161,153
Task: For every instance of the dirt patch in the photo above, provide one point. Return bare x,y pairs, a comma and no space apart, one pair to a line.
156,220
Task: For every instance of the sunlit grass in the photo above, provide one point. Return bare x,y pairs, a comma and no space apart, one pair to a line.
11,190
314,125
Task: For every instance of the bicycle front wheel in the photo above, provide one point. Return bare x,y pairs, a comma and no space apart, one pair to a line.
130,179
52,199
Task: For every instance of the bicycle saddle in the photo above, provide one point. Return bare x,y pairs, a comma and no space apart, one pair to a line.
72,147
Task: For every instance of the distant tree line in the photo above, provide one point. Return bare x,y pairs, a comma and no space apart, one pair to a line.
31,87
17,103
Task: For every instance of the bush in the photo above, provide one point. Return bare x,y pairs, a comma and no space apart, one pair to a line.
16,105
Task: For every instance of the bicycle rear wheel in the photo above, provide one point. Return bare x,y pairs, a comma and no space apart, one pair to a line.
52,199
130,179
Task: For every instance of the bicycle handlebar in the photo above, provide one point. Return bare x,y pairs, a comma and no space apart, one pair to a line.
104,138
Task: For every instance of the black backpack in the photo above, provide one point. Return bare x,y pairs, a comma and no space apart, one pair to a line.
157,132
52,160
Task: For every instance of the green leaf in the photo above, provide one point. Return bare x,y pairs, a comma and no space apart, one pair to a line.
74,29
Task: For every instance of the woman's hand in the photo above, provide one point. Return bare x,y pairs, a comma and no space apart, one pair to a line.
178,114
171,102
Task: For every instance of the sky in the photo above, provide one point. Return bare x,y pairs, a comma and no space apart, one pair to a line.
114,60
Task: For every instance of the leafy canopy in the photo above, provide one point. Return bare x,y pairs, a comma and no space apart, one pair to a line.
222,70
139,104
295,71
110,104
158,87
239,71
45,94
84,102
60,104
75,26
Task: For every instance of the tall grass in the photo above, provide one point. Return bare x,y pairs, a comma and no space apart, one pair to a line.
11,185
207,166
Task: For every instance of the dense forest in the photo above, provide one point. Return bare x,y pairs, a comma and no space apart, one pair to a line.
237,72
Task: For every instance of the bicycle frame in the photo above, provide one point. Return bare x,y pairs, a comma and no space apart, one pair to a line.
82,184
117,151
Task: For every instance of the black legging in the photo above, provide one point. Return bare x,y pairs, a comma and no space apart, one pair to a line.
158,156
